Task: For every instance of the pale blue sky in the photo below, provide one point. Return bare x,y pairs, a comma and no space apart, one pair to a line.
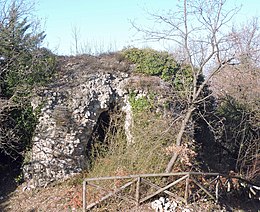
105,23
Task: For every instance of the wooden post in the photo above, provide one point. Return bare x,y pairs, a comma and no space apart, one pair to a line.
84,195
163,189
137,193
202,188
217,189
109,195
186,195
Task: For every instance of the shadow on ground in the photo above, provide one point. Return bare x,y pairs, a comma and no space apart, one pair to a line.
10,170
213,158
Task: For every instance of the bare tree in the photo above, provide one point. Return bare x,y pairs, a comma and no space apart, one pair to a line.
242,80
237,89
200,29
245,40
76,39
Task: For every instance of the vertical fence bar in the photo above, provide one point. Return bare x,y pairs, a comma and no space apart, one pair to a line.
186,195
84,195
217,189
137,193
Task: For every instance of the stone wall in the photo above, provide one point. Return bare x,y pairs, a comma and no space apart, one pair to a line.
71,108
85,88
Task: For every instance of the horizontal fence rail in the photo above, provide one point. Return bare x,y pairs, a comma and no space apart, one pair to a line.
220,183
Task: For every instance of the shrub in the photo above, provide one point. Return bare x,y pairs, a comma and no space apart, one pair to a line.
24,66
162,64
24,63
140,104
151,62
240,135
147,152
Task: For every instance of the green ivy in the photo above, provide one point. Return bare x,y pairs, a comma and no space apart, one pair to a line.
140,104
151,62
160,63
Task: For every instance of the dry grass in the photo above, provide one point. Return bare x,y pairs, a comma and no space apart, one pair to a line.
146,154
153,135
56,198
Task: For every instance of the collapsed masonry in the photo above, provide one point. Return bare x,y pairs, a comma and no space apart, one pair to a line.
86,88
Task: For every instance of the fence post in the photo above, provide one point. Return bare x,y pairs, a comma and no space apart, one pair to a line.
186,195
84,195
137,193
217,189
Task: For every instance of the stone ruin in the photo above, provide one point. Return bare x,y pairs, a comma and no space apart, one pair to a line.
85,90
70,108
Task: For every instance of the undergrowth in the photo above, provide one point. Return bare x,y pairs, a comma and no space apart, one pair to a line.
148,152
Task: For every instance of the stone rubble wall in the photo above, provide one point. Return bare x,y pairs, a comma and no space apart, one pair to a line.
70,108
66,122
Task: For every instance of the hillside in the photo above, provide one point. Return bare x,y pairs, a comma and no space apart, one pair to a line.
174,130
127,121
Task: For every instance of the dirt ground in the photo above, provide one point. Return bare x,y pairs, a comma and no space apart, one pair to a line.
67,197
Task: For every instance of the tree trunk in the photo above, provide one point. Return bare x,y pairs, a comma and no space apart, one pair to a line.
179,138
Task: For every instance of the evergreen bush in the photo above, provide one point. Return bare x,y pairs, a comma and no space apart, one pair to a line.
24,66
